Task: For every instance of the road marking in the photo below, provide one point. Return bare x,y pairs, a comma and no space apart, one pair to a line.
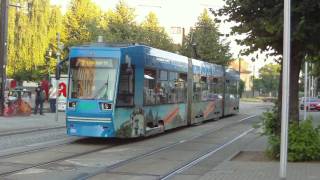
48,142
24,148
32,171
247,118
201,158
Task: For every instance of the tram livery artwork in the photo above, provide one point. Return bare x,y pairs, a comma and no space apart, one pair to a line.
136,90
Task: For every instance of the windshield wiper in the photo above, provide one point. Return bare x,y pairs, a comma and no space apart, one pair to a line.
104,89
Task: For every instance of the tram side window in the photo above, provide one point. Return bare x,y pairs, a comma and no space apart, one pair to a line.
173,78
231,88
126,87
182,88
162,88
149,94
212,86
234,89
196,88
220,88
204,88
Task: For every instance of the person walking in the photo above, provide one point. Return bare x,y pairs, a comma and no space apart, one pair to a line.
52,98
40,98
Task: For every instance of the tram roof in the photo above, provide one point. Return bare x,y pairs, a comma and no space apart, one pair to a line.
155,57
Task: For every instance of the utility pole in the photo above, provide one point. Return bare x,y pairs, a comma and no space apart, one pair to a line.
253,65
3,51
305,89
239,62
285,88
57,80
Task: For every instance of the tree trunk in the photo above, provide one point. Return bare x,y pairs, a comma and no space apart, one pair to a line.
295,67
278,110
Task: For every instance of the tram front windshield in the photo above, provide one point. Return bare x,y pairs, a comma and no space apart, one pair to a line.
93,78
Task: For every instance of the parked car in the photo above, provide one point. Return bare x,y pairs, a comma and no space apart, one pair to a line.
312,103
318,107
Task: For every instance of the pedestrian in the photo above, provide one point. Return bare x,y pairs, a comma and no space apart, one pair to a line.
40,98
52,98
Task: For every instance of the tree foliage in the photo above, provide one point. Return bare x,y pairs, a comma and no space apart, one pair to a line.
81,21
121,25
154,35
269,79
33,29
203,42
29,33
262,23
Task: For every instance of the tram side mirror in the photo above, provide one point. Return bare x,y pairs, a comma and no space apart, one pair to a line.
129,69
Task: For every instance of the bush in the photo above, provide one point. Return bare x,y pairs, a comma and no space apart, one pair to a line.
303,139
304,142
269,120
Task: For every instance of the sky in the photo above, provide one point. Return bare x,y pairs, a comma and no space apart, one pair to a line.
183,13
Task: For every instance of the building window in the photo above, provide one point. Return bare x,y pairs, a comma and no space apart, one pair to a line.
176,30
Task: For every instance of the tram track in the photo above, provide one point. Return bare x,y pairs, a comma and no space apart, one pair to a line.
163,148
116,165
4,174
50,162
31,130
3,155
202,157
17,148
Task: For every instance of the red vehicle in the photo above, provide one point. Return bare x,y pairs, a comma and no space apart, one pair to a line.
318,107
17,103
312,104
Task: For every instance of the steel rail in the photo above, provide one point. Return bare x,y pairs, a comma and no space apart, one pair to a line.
204,156
4,174
34,149
31,130
154,151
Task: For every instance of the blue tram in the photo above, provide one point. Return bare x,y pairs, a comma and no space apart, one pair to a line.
136,90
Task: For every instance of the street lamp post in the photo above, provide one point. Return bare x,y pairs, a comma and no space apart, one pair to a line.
48,56
239,62
59,45
3,50
285,88
253,60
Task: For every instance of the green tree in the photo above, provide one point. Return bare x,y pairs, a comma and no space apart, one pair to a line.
82,22
55,26
204,40
262,22
241,87
269,75
154,35
28,39
120,25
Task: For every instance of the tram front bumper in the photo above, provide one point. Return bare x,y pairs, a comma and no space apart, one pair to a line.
90,129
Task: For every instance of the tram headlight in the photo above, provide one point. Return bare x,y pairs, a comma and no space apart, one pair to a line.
72,105
105,106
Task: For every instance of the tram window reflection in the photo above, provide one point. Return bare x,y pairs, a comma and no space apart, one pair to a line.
149,95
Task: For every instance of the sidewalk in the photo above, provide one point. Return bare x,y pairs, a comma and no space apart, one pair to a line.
22,123
253,168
